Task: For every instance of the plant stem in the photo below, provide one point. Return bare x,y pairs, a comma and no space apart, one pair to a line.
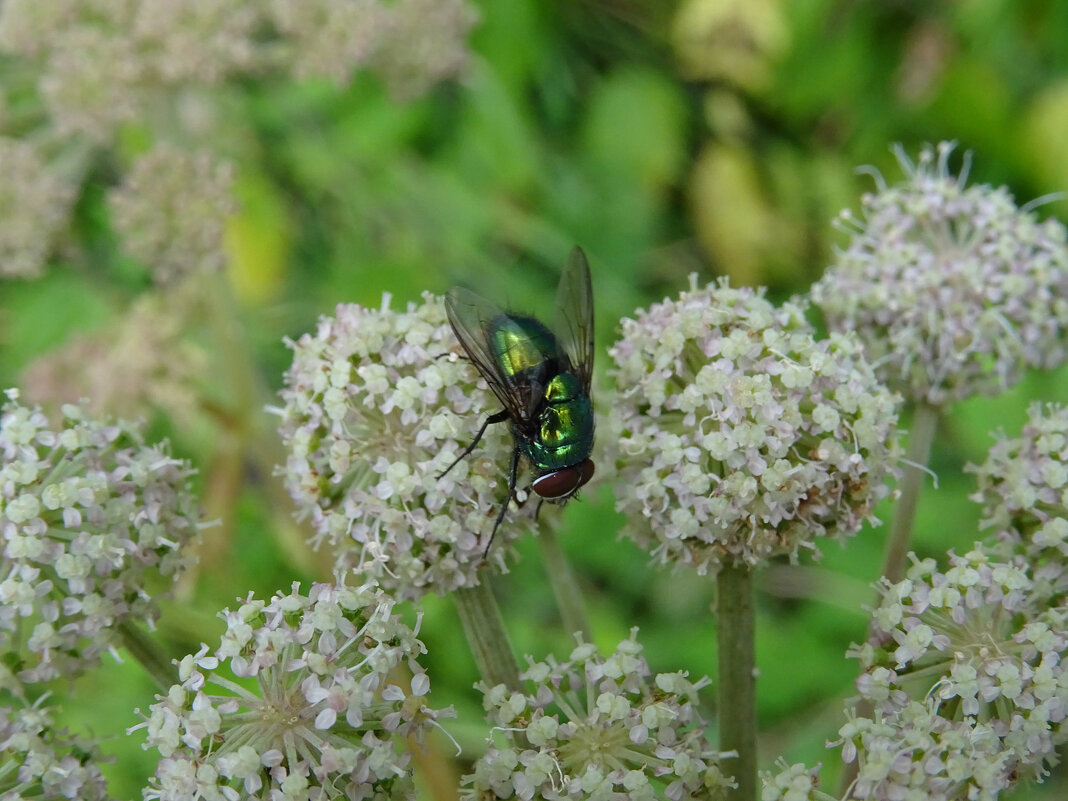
737,681
148,653
562,580
484,628
924,425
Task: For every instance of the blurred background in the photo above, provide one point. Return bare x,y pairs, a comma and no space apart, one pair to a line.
181,192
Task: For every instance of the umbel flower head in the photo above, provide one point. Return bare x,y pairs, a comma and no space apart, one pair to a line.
965,672
39,761
311,705
599,729
792,783
738,435
35,199
145,361
88,514
1023,486
953,289
377,405
171,211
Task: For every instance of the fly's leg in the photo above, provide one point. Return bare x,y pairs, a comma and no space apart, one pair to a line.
499,417
504,507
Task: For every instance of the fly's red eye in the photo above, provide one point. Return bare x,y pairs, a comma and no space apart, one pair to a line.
563,483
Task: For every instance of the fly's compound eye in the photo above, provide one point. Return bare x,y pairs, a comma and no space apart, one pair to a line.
563,483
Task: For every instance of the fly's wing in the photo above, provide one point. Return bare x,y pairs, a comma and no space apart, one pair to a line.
470,316
574,316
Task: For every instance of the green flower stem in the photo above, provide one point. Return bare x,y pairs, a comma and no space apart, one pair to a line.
565,587
148,653
484,627
924,425
737,683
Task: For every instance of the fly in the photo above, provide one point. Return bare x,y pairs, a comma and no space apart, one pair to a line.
542,379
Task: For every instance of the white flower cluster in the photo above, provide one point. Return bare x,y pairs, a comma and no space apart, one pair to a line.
965,673
314,710
792,783
738,435
377,406
953,289
37,761
1023,486
598,729
88,513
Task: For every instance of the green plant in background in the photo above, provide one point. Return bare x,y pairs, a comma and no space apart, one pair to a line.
186,186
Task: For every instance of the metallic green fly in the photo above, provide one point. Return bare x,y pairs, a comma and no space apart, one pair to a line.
541,378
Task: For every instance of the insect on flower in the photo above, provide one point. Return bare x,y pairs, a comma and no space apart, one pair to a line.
541,378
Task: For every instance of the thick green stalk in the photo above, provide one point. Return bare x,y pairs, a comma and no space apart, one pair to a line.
150,656
484,628
737,679
562,580
924,425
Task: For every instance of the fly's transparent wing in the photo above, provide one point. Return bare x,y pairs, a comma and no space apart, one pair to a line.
470,316
574,316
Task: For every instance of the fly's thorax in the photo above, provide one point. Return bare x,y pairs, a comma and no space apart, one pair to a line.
525,350
563,387
563,428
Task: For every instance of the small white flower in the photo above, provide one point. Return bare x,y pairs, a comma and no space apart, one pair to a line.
40,761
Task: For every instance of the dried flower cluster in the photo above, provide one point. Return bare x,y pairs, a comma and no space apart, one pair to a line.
142,363
84,70
37,761
35,199
598,728
171,211
965,673
738,435
88,515
302,699
412,44
953,289
376,407
101,63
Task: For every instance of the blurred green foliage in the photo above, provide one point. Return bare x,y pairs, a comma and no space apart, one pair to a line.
716,136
